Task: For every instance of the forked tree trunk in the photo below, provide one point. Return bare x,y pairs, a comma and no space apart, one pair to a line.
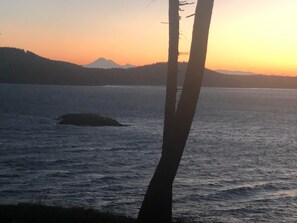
157,204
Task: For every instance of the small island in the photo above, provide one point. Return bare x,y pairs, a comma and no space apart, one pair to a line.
87,119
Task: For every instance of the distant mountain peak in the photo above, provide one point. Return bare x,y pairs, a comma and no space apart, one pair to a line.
107,64
236,72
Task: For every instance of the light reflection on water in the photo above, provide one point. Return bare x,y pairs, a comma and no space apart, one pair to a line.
239,164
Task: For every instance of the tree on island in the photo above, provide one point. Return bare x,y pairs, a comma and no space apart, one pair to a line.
157,203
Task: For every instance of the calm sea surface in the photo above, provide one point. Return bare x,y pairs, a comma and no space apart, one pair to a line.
240,163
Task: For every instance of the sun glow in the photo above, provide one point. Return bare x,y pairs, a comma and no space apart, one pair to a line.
256,36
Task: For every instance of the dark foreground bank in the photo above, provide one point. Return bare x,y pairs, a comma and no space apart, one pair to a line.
36,213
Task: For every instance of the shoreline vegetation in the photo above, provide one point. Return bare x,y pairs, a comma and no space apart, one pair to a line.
18,66
40,213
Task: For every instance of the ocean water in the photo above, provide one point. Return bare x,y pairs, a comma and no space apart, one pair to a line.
239,165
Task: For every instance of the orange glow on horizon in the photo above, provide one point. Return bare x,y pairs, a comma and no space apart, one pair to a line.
251,36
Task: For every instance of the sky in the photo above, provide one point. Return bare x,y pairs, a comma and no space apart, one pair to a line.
257,36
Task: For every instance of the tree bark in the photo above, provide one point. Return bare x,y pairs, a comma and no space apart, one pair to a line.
157,204
195,70
172,70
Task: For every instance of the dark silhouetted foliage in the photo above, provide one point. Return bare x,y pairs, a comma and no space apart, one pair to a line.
34,213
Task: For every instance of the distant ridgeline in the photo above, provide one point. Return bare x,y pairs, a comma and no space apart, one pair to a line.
24,67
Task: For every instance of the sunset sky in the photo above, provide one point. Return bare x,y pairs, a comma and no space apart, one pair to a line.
248,35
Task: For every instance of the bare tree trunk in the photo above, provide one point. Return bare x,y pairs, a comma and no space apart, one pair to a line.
172,70
195,70
157,204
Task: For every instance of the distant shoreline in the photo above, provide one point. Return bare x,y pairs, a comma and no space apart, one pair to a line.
163,86
24,67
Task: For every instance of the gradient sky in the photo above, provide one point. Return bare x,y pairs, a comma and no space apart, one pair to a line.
249,35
